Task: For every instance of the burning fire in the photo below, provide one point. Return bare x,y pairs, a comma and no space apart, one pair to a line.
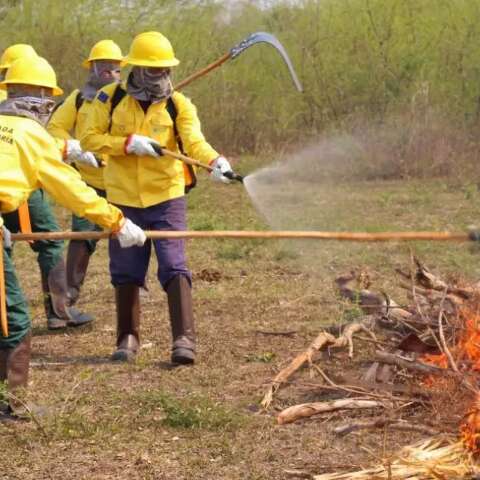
466,354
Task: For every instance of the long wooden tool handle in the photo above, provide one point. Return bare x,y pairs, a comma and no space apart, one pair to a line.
3,292
241,234
203,71
185,159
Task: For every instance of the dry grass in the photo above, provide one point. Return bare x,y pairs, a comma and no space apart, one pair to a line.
148,421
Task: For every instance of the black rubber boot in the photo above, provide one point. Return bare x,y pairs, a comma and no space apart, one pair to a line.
180,305
14,367
127,299
78,257
56,301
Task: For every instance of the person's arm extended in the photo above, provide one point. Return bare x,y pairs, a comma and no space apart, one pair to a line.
64,183
190,131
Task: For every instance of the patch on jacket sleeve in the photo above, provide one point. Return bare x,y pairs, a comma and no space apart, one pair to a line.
103,97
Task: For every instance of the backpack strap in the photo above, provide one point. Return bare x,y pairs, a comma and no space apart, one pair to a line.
189,170
79,99
117,97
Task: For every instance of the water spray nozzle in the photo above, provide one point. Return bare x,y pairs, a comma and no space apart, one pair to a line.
231,175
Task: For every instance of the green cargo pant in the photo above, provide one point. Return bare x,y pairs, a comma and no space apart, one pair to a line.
43,220
80,224
17,310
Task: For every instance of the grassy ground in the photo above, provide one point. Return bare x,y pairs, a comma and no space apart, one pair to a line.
149,421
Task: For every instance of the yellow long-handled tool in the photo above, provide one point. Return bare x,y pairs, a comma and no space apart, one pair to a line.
245,234
3,293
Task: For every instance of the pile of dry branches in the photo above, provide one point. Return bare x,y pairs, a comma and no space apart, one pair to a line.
425,358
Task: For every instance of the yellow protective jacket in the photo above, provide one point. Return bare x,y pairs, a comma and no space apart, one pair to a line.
143,181
67,121
29,159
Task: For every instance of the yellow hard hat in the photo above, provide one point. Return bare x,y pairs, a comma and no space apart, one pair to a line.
32,71
151,49
104,50
14,52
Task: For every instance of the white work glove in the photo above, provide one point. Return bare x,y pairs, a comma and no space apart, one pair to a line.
7,237
141,145
72,149
88,159
131,235
220,166
75,154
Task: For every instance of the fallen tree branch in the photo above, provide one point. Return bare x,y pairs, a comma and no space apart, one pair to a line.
371,302
421,367
347,336
385,422
323,339
443,342
429,281
305,410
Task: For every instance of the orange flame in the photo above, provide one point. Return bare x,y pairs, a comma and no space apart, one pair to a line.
466,353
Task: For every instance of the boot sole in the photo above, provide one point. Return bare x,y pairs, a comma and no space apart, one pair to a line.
124,356
9,418
57,327
79,324
183,356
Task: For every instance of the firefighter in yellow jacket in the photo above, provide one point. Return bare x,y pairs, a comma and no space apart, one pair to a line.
68,122
29,160
126,123
37,215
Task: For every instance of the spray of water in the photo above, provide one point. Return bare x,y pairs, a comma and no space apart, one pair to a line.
290,192
350,183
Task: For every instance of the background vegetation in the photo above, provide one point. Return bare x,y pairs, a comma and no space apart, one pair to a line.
402,73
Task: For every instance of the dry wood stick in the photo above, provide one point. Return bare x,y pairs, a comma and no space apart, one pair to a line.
346,388
384,422
323,339
347,336
403,362
305,410
243,234
365,388
441,334
428,280
369,301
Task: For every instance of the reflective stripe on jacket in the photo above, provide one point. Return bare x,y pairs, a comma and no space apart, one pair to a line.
29,159
143,181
